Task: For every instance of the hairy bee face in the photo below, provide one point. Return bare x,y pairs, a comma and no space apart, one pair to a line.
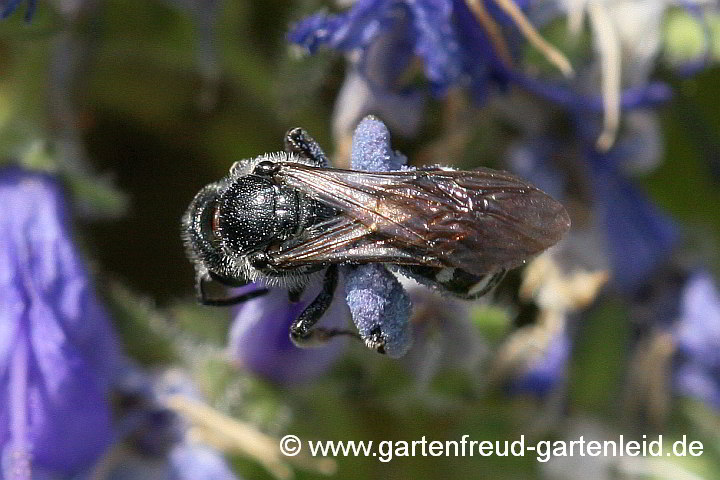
203,243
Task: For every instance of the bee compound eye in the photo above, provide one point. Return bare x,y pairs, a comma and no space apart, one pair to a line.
266,168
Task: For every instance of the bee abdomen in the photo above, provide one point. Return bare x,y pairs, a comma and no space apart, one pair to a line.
455,281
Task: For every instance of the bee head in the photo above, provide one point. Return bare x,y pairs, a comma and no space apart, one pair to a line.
202,237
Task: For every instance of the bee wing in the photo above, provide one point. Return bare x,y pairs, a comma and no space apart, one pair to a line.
480,220
340,240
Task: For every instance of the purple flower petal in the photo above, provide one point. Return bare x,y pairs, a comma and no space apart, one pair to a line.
7,9
58,353
649,95
196,462
436,41
260,341
547,371
387,58
697,340
444,33
481,64
374,84
639,236
698,332
355,28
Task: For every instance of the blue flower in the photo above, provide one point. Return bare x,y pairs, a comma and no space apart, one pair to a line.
647,95
6,9
639,236
259,339
547,371
58,353
443,33
189,461
697,339
374,84
532,160
161,447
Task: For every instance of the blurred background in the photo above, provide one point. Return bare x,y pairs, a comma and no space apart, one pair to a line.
129,108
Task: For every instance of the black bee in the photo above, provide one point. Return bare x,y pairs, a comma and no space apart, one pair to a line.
279,217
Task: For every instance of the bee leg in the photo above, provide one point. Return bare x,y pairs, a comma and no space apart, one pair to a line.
224,302
294,294
298,142
302,331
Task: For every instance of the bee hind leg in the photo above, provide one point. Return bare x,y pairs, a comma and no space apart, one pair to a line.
303,332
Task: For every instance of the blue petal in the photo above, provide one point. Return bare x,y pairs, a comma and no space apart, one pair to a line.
444,33
639,236
532,160
698,382
548,371
649,95
480,61
355,28
387,58
196,462
58,353
375,84
378,302
698,333
436,41
12,5
260,341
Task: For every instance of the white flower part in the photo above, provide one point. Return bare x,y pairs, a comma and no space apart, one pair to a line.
627,37
528,31
357,98
639,27
607,44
